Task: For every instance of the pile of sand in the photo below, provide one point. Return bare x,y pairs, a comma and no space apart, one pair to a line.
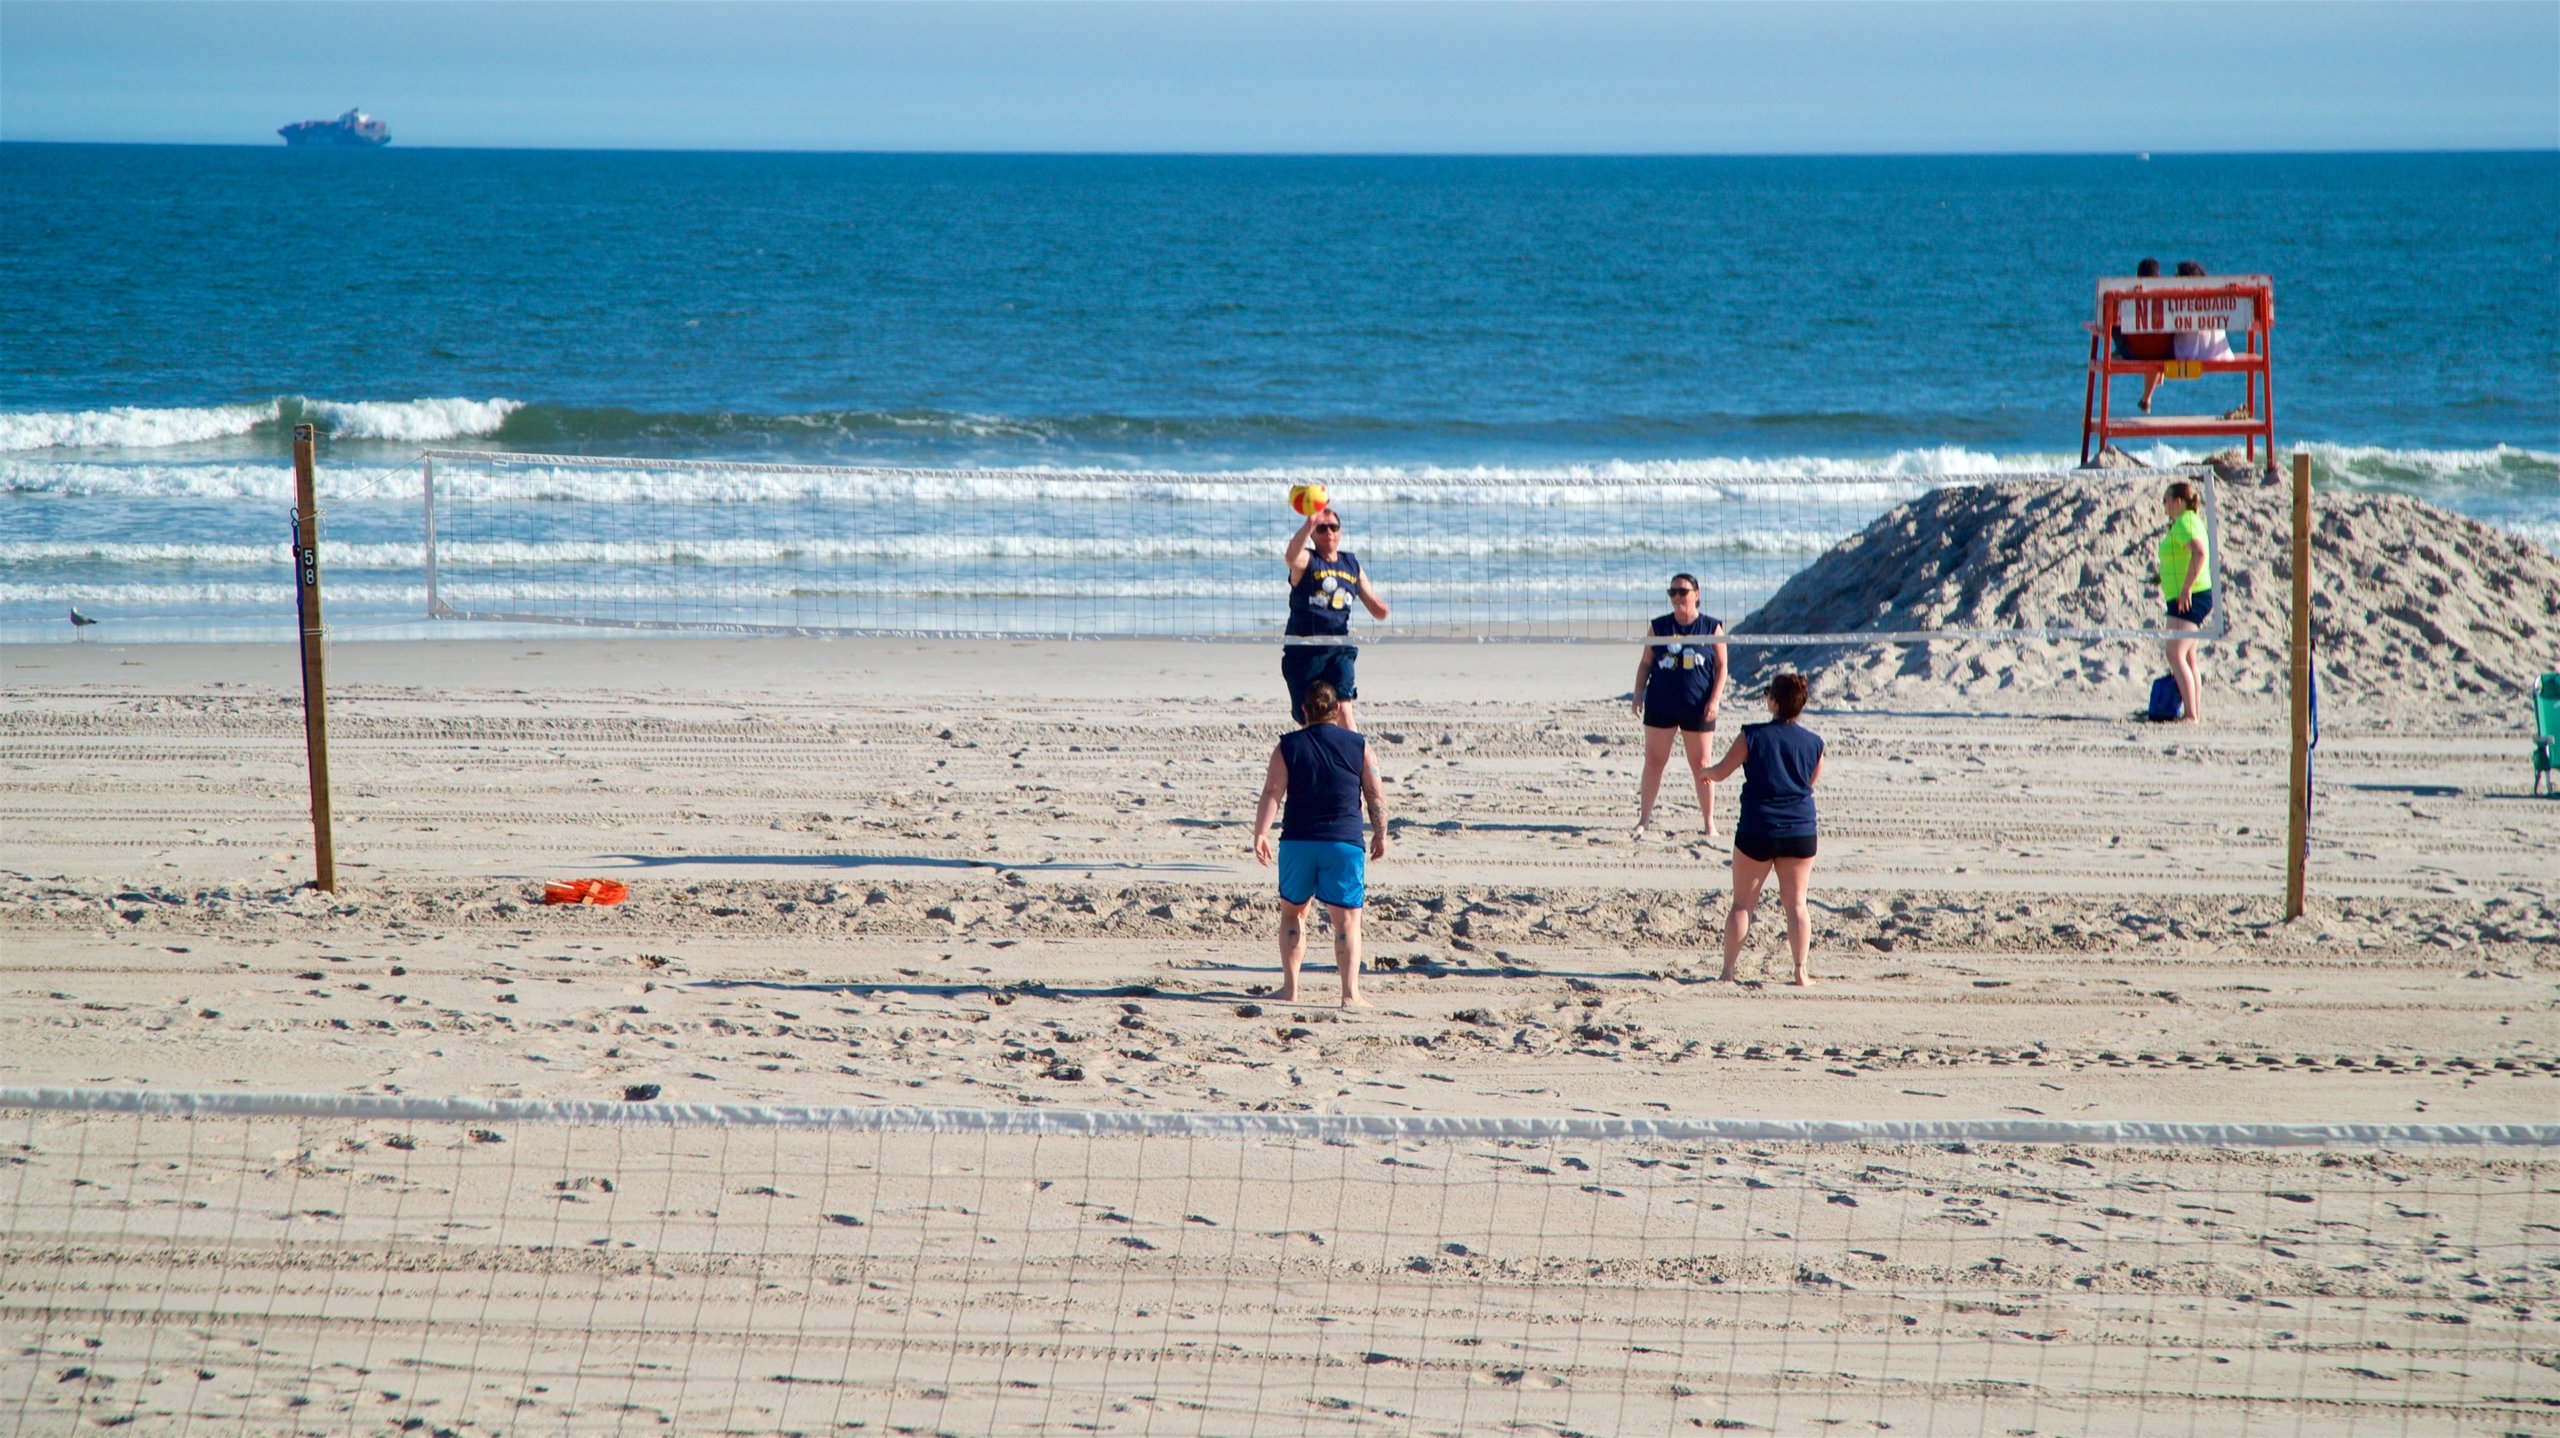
2417,612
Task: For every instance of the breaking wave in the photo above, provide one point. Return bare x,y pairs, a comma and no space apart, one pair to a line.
129,428
415,421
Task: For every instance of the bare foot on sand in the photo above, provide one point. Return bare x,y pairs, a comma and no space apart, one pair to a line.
1802,980
1287,995
1731,975
1354,1001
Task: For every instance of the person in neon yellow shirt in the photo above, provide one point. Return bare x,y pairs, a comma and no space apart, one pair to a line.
2186,582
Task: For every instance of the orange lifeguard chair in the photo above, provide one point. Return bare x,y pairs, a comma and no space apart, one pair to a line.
2142,326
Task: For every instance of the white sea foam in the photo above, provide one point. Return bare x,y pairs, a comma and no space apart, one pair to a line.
570,596
91,480
462,483
819,554
22,554
129,428
1798,477
2376,464
1948,462
2372,464
105,600
1166,605
1843,480
416,421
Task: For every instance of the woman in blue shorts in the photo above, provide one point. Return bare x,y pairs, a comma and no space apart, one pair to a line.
1780,761
1325,776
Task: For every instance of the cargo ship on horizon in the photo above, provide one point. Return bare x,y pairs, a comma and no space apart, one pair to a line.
354,128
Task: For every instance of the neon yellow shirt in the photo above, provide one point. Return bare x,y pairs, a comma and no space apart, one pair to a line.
2184,543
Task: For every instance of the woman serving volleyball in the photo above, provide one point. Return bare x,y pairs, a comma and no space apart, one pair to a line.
1325,579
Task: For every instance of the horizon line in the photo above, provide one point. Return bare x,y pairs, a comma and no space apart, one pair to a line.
1244,154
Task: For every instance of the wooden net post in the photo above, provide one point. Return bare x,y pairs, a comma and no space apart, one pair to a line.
315,678
2298,825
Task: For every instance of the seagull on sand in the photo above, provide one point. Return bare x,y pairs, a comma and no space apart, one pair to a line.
79,621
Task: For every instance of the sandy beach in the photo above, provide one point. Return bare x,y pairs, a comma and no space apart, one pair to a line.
839,479
886,873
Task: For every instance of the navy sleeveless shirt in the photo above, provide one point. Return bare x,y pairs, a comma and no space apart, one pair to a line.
1682,673
1324,762
1777,780
1320,602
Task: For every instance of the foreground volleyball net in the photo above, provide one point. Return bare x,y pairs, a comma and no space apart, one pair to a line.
1051,554
261,1263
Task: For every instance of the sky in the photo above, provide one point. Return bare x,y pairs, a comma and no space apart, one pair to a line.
1446,78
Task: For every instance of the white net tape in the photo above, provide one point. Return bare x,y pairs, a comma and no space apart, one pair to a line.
279,1263
1461,556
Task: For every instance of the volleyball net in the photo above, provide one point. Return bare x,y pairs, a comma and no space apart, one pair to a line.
1474,556
258,1263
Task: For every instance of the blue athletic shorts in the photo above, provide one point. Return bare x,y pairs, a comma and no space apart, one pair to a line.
2199,608
1335,873
1304,664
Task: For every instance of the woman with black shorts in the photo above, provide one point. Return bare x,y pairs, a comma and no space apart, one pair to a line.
1679,687
2186,586
1780,761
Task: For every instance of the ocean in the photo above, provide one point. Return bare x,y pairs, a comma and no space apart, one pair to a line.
1871,323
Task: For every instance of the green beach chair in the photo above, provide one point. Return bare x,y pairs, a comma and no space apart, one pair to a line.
2546,735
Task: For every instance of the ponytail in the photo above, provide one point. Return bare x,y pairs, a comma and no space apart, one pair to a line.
1322,704
2184,492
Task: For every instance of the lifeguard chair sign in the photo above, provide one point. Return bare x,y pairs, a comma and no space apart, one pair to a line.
2182,329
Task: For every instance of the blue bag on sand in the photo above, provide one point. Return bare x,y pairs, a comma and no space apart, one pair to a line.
2167,704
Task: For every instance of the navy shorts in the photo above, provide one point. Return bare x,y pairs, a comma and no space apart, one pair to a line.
1304,664
1670,716
2199,608
1761,848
